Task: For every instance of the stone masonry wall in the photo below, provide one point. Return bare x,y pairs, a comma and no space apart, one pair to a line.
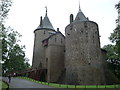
83,54
39,51
55,57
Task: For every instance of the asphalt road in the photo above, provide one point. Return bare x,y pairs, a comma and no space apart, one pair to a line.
21,83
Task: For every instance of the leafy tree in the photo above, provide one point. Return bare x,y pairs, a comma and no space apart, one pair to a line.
117,6
13,55
113,59
4,9
113,51
115,38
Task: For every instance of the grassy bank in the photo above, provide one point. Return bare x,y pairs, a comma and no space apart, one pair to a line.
3,84
71,86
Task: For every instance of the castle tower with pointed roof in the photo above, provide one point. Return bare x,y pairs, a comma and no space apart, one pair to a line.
83,60
48,54
43,31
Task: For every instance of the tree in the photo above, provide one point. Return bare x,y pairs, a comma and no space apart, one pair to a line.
113,59
115,38
117,6
113,51
13,55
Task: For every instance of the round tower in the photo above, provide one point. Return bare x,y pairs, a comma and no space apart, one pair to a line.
44,30
83,54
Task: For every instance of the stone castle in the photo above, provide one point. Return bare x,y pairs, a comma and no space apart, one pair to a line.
75,58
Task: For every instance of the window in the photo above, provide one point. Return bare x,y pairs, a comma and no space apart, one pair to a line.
61,40
86,34
68,34
81,31
40,65
87,41
89,62
85,24
44,32
46,62
55,39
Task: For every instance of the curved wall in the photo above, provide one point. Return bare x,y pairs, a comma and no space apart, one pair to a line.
39,52
83,54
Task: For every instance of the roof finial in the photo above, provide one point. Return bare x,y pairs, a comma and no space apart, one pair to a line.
79,6
46,10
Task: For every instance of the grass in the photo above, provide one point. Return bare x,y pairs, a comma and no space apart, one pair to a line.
4,85
71,86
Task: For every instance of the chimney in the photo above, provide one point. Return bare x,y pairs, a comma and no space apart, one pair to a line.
41,21
71,18
87,18
57,29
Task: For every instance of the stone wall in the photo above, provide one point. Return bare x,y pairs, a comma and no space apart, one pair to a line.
55,57
83,54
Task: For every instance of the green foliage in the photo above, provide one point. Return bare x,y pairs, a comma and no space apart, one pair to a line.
13,55
113,59
4,85
113,51
4,9
115,38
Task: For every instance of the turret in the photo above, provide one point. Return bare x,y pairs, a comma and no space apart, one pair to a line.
45,23
83,54
80,16
43,31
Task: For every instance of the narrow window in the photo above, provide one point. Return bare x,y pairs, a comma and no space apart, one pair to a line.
81,31
55,39
89,62
44,32
46,62
96,32
40,65
87,41
85,24
86,34
61,40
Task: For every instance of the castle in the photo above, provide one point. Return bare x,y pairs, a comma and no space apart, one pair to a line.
75,58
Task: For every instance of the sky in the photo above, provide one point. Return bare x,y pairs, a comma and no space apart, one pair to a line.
24,17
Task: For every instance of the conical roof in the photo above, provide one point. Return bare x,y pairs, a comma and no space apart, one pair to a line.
80,16
45,23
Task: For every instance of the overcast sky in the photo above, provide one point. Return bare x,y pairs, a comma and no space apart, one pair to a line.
24,17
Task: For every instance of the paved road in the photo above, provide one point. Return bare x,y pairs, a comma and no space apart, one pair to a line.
21,83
